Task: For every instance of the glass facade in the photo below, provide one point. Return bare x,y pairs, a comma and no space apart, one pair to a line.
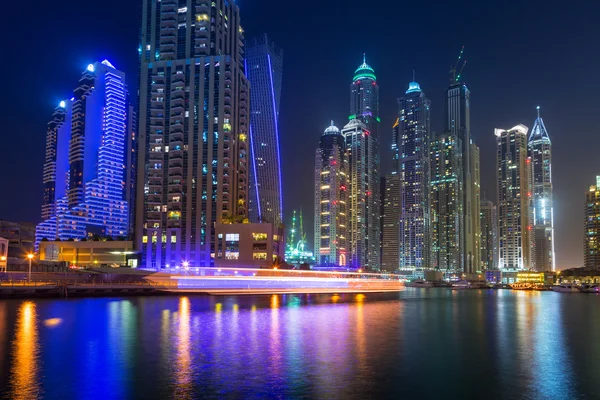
364,157
413,171
540,151
264,71
591,234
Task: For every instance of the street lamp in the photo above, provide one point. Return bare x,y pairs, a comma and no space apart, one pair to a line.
30,256
185,266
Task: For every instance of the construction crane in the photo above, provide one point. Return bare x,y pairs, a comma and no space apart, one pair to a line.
454,77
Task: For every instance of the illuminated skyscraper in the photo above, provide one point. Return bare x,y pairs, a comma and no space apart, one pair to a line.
362,237
89,143
193,129
390,218
458,122
591,233
264,71
364,107
513,169
330,199
413,170
489,236
446,203
540,151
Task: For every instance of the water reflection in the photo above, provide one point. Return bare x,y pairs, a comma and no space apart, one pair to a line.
24,372
183,373
418,344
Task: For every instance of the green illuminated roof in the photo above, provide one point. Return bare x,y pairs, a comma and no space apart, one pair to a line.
364,71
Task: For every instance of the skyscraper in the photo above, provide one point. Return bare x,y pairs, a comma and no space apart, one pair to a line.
88,143
513,172
413,171
362,243
474,265
446,203
364,107
193,129
458,122
390,218
591,234
540,151
330,199
489,236
264,71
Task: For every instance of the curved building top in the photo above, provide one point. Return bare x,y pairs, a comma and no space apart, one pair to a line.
364,71
331,130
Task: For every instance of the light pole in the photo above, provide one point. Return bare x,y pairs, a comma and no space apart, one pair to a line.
30,256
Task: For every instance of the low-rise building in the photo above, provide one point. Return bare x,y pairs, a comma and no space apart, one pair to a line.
20,236
90,253
535,277
249,245
579,275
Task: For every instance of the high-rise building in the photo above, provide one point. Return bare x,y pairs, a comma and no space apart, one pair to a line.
390,218
513,172
88,146
413,170
193,130
473,266
540,152
591,233
330,199
489,236
458,122
263,67
364,107
446,203
363,187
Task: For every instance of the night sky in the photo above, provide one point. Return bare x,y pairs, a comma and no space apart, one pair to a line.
519,56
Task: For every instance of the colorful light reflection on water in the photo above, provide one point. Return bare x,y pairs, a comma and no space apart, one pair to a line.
414,344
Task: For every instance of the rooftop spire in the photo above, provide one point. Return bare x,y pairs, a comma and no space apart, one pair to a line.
364,58
538,110
539,132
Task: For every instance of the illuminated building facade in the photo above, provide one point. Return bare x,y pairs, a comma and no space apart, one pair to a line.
413,170
513,172
264,72
474,265
193,130
364,108
489,235
86,170
390,218
446,203
330,199
540,152
591,234
458,123
362,207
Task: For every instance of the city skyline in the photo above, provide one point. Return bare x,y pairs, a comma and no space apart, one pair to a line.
569,186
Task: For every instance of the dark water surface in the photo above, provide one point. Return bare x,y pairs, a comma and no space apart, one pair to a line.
421,343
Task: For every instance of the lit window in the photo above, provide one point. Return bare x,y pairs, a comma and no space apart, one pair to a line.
259,236
173,239
259,256
144,239
232,237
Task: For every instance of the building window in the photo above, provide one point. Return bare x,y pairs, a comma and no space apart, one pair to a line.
259,256
258,237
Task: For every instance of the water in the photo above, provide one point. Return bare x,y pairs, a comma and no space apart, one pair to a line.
421,343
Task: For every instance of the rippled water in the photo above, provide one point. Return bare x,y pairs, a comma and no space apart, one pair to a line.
421,343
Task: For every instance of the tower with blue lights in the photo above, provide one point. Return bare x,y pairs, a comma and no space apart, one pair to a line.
194,125
540,152
264,71
85,170
414,177
364,109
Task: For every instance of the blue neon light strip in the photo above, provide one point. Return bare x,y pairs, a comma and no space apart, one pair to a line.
277,138
253,157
